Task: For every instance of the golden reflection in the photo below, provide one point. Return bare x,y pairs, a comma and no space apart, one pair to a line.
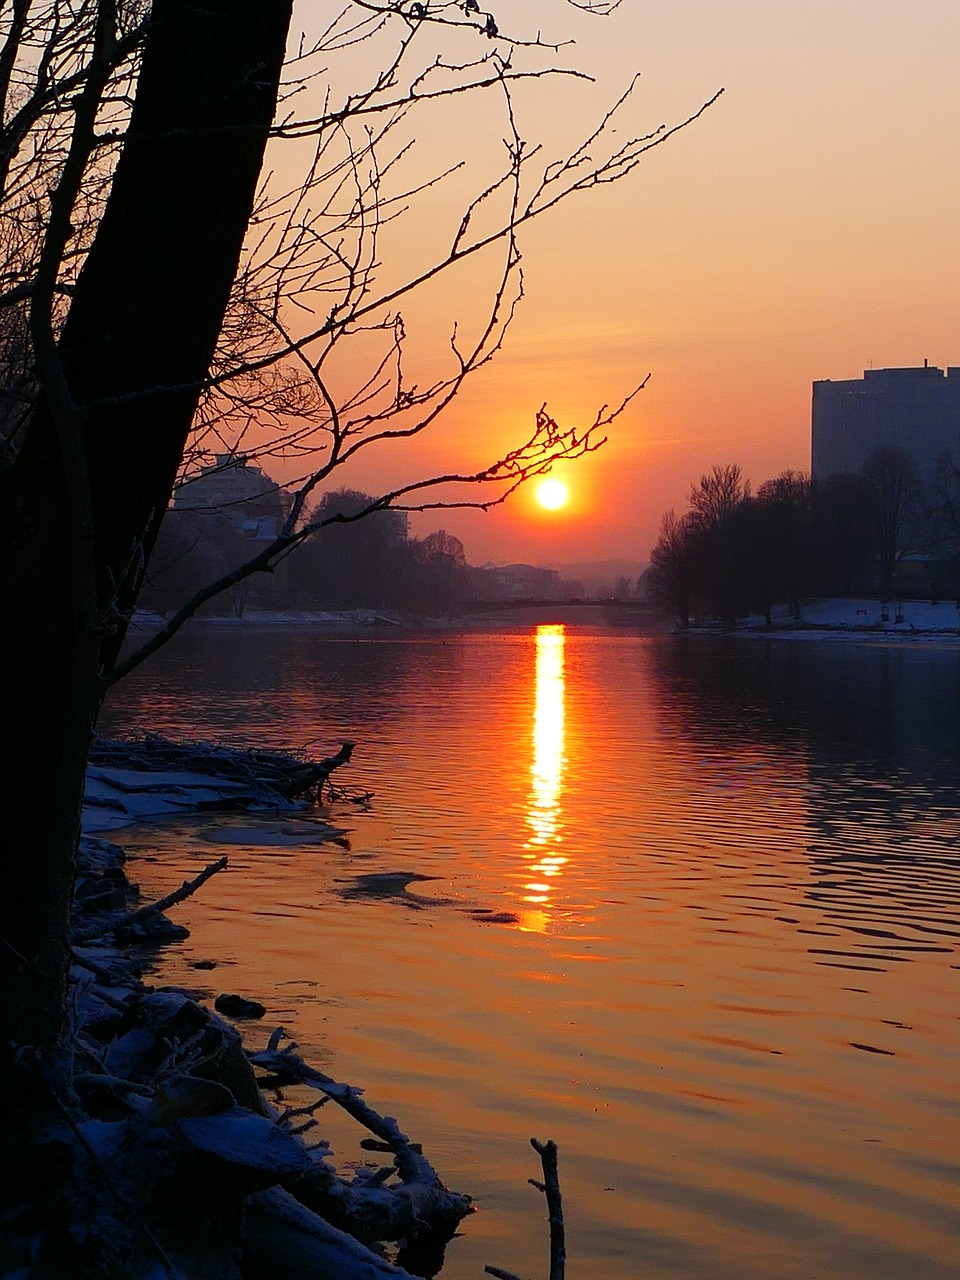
544,813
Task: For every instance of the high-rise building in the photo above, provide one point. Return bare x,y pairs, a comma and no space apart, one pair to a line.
914,409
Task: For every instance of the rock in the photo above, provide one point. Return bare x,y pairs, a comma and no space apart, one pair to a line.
238,1137
158,1021
235,1006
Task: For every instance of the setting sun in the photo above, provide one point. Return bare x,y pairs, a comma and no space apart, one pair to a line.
552,494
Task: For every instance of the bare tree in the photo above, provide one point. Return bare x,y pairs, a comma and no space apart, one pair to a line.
132,225
944,514
893,503
718,493
443,560
783,550
716,502
672,565
96,457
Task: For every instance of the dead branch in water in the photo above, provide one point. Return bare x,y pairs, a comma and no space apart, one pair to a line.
420,1205
154,909
286,1066
547,1151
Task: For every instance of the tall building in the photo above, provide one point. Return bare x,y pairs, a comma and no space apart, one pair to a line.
914,409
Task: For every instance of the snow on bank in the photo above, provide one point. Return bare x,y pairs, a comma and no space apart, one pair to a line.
147,621
150,777
116,798
859,619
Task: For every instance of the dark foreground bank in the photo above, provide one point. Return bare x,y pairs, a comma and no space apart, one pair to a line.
159,1146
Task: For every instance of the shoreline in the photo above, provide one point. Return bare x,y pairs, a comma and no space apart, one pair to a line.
178,1150
863,621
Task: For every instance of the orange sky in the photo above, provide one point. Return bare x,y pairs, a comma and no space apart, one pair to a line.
805,228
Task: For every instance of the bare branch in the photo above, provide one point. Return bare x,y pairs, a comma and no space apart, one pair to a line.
154,909
547,1151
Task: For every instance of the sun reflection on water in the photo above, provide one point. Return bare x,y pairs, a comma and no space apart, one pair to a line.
544,812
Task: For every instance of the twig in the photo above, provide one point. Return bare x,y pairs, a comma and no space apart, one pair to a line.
186,889
547,1151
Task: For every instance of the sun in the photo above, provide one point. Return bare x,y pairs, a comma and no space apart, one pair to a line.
552,494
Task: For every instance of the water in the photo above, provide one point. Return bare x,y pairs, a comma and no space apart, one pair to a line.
696,916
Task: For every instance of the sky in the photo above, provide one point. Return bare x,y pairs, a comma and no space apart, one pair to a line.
804,228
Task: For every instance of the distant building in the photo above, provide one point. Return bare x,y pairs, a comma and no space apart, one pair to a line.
513,582
914,409
236,491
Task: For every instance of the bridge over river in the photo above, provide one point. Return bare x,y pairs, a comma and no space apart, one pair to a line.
531,611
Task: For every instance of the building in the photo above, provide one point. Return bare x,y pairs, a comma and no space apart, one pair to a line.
914,409
234,490
514,582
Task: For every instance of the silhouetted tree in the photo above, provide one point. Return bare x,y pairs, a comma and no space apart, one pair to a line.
944,514
357,557
672,568
98,452
719,541
893,505
842,533
717,494
783,536
441,562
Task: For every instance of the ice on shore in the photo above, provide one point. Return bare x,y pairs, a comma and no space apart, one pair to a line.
116,798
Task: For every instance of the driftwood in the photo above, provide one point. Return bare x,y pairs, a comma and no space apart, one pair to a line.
283,1240
131,921
273,773
419,1206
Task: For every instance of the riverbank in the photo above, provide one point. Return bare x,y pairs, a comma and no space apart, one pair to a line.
160,1145
866,620
336,619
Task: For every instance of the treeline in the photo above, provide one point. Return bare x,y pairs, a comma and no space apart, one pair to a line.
371,562
735,552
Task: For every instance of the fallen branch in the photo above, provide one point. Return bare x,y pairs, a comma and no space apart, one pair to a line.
288,1067
134,919
420,1206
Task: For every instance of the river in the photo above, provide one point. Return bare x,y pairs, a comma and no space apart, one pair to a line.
694,912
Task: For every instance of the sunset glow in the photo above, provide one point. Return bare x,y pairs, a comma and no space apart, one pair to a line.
823,250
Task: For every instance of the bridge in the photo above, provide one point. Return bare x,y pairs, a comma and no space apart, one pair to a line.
533,610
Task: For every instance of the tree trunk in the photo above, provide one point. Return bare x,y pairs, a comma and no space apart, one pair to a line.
146,314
